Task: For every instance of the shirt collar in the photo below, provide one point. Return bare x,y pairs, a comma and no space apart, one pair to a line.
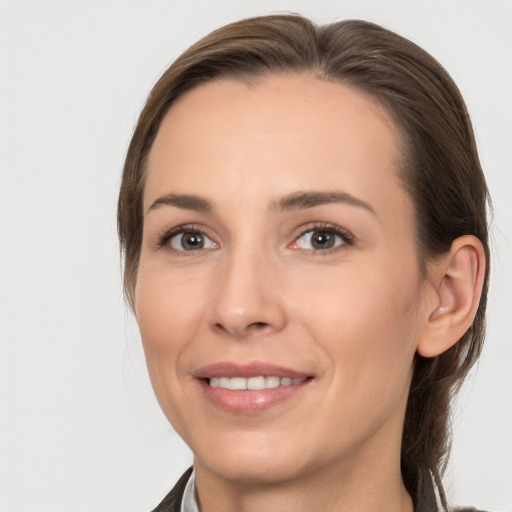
189,500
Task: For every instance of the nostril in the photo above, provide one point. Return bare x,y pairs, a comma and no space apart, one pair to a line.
244,330
220,327
257,325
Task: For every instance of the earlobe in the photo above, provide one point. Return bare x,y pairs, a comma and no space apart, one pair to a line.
458,280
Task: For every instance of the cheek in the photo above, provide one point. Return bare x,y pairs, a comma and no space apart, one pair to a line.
166,307
167,312
367,324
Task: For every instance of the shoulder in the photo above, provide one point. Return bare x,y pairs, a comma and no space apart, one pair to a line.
172,502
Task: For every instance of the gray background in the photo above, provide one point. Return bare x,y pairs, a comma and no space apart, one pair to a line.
80,429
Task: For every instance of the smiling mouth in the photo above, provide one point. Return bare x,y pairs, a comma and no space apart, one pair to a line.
253,383
252,388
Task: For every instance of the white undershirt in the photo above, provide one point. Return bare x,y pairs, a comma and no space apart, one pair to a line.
189,501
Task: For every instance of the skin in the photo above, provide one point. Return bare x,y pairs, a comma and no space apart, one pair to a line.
351,316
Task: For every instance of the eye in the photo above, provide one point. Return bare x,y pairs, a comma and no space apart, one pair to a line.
190,241
322,239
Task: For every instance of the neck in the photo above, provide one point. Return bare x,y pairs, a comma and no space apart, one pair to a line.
354,487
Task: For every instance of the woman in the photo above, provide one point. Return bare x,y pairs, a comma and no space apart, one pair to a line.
303,221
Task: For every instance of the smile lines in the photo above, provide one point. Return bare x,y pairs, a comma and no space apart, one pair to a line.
253,383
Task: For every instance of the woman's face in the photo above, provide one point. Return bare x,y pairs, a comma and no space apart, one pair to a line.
278,255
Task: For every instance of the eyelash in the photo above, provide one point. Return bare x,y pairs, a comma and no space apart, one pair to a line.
347,238
164,239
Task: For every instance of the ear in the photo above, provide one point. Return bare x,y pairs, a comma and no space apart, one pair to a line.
456,280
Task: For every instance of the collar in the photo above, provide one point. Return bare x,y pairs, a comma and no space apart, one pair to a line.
189,500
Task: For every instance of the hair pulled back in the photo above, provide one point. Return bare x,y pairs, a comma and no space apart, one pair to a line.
440,169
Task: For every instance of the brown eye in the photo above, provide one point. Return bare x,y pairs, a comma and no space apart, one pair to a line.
191,241
320,240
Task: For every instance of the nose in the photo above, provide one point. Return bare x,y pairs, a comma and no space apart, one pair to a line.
247,299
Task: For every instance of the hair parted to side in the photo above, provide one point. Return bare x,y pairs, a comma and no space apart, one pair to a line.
440,169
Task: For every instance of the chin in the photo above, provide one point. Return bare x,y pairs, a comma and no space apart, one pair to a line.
253,462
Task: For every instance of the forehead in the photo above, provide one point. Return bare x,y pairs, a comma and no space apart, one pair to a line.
278,133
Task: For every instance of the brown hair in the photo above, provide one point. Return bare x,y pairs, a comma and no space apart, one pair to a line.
440,169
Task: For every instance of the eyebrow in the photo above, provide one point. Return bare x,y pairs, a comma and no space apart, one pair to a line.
294,201
184,201
304,200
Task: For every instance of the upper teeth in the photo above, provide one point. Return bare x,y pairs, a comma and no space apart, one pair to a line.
237,383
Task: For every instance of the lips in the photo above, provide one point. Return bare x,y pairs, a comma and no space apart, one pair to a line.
250,388
252,383
254,369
